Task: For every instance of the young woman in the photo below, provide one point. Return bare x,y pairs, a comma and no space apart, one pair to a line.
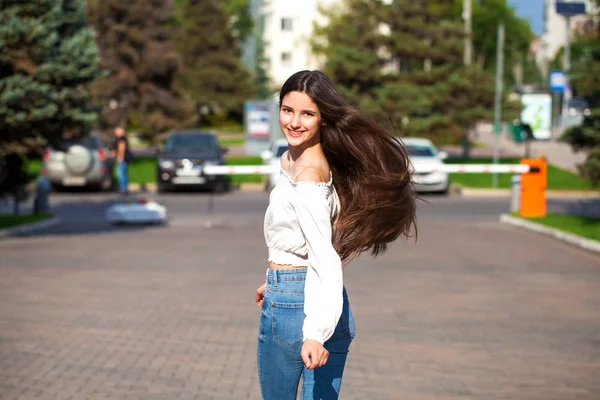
345,188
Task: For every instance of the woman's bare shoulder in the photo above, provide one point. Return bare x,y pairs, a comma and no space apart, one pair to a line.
312,173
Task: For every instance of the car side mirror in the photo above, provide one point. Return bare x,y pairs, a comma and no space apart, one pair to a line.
442,155
266,155
224,150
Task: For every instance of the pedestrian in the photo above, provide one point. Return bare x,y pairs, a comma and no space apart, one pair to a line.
122,155
345,188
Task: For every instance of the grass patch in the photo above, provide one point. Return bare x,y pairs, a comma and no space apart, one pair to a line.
233,129
558,178
245,160
10,221
232,142
34,167
143,169
583,226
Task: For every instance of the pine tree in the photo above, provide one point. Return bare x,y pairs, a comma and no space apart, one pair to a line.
403,63
213,74
585,82
135,38
47,60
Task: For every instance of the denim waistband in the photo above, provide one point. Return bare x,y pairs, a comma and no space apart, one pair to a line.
290,276
282,275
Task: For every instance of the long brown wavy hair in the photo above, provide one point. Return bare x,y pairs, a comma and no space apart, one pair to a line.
370,170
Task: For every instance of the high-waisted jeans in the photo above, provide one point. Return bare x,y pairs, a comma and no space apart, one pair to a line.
280,365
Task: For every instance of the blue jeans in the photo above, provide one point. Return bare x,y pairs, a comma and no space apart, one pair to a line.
122,176
279,362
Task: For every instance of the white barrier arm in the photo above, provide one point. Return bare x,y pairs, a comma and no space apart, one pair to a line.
483,168
239,169
456,168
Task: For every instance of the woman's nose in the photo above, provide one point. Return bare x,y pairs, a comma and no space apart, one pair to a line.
295,121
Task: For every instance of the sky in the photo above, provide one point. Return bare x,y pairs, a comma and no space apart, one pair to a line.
531,10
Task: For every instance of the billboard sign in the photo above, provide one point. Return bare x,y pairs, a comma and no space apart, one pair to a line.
537,113
257,119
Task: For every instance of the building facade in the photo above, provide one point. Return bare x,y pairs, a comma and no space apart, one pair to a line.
287,33
555,32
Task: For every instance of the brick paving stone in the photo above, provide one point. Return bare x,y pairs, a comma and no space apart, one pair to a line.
474,310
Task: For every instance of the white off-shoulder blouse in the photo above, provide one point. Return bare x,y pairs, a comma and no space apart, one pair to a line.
298,232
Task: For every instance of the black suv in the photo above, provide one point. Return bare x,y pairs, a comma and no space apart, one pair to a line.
181,162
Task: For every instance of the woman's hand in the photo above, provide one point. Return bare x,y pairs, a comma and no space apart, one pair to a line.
314,354
260,295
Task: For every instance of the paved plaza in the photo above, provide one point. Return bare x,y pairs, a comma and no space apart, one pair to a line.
474,310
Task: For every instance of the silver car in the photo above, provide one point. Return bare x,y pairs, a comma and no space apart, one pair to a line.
273,158
82,162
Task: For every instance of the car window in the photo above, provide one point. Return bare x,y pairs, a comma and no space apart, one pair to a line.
90,142
420,150
179,143
280,151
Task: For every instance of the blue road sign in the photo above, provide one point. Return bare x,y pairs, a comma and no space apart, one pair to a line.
570,8
558,81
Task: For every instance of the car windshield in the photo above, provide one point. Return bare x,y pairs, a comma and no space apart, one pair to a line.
420,150
280,151
179,143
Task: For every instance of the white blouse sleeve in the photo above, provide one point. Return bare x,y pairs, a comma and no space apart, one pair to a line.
323,289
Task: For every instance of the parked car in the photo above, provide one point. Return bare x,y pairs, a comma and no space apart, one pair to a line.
425,158
180,163
81,162
273,157
579,106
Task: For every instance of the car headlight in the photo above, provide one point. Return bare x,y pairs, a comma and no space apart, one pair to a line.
166,164
438,176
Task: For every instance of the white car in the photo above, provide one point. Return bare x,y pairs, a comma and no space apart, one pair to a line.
426,159
273,157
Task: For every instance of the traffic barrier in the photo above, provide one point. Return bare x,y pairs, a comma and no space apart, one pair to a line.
533,178
455,168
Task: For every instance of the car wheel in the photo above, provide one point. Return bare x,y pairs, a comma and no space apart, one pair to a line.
221,186
445,191
161,188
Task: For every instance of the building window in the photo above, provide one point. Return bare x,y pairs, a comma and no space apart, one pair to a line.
286,24
286,59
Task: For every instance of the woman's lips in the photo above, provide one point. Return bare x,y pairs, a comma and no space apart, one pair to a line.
295,133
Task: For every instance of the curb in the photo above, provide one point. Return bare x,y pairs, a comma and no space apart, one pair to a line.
587,244
27,229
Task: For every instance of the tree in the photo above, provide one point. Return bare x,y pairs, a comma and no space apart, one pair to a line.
212,74
47,60
486,16
135,38
403,63
584,80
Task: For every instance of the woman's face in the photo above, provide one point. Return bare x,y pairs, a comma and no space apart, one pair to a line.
299,119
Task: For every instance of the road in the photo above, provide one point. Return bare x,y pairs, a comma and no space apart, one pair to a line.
474,310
